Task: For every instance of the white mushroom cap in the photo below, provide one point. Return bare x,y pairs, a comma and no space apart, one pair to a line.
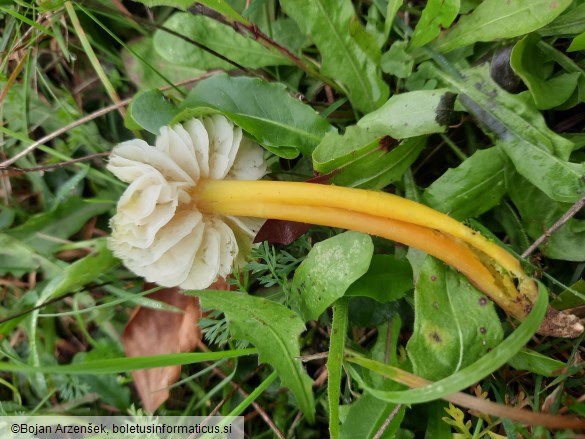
157,231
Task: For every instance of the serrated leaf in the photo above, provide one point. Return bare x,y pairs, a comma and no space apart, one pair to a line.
274,330
411,114
437,15
349,53
473,187
537,152
214,35
388,278
265,110
494,19
539,212
337,150
328,270
397,61
454,324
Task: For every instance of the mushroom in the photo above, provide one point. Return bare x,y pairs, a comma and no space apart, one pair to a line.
193,207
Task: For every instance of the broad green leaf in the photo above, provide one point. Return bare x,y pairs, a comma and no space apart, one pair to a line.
214,35
381,166
539,212
411,114
337,150
364,311
124,364
454,324
388,278
80,273
349,54
572,297
535,362
18,258
496,19
537,152
578,43
328,270
535,69
265,110
572,22
437,15
144,76
150,110
367,415
465,377
359,158
274,330
473,187
40,231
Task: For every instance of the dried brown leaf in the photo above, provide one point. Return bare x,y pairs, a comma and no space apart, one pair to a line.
155,332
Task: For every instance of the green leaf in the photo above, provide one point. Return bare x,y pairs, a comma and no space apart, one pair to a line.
465,377
18,258
224,8
388,278
125,364
265,110
150,110
349,53
334,362
82,271
180,4
359,158
337,150
537,152
144,76
578,43
40,231
534,67
219,37
572,297
454,324
473,187
535,362
367,415
328,270
411,114
274,330
437,15
494,19
539,212
397,61
572,22
364,311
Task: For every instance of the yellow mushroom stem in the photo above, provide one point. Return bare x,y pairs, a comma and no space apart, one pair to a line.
489,267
